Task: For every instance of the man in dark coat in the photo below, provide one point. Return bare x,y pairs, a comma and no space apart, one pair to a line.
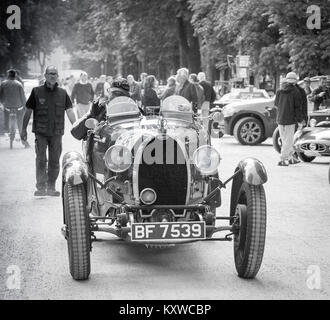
289,112
49,103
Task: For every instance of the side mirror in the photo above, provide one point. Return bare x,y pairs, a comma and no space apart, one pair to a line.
91,123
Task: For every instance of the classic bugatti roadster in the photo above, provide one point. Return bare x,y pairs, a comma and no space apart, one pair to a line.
153,180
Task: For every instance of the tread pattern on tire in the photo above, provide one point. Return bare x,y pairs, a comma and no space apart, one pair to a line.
256,231
78,231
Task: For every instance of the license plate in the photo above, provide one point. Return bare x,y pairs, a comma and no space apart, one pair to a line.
160,231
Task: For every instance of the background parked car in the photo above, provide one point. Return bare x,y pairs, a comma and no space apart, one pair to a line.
250,122
241,94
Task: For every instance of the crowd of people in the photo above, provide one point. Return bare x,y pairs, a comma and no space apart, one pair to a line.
53,98
146,91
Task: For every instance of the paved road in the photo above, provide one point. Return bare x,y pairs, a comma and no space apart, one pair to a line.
296,262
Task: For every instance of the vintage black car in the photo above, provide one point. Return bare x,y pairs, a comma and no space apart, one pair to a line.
153,180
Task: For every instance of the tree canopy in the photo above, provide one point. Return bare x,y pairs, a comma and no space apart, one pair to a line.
132,36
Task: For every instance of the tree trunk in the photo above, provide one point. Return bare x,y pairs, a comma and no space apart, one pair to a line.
189,46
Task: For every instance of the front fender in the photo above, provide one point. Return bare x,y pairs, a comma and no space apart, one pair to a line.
252,171
74,169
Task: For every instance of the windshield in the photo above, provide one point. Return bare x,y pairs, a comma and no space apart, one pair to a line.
122,106
176,104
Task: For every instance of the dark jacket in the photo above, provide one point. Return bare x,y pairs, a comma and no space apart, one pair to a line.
189,92
289,105
12,94
150,98
83,93
209,92
304,104
48,109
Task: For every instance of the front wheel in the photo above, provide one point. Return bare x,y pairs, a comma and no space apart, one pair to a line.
305,158
250,230
249,131
78,231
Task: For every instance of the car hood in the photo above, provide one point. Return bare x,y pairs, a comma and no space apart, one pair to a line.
188,136
315,134
251,103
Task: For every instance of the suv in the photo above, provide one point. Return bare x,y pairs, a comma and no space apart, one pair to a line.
251,122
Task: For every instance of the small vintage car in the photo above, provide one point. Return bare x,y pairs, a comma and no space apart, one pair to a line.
153,180
312,141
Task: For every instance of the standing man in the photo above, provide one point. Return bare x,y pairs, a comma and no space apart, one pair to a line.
12,97
48,103
209,97
134,89
82,95
289,112
186,89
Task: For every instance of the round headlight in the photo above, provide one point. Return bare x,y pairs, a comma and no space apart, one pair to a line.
148,196
312,122
206,159
118,158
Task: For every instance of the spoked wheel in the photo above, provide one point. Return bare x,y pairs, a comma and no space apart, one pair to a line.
249,131
78,231
250,226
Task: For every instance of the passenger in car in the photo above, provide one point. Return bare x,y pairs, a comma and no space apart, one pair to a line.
119,88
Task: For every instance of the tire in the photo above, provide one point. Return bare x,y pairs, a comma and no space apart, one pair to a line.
277,142
78,231
249,131
249,239
305,158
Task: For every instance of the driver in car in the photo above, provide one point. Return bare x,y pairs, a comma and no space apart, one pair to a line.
119,88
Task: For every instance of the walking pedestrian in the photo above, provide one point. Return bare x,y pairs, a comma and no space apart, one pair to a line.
48,103
185,88
209,97
289,112
134,89
82,95
12,96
